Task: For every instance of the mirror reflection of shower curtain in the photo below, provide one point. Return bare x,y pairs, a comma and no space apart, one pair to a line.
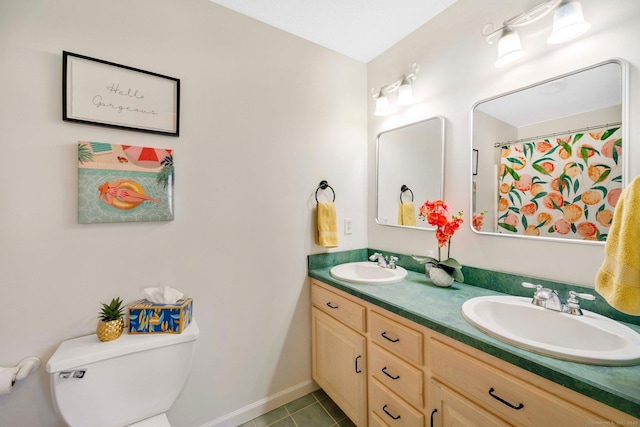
564,186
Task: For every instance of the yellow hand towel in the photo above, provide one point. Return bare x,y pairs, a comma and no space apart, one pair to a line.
326,225
407,214
618,279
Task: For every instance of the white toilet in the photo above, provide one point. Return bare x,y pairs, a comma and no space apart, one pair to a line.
131,381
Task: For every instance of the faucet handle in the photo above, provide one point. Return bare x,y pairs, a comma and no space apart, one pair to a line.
392,261
536,297
375,256
531,286
573,295
573,305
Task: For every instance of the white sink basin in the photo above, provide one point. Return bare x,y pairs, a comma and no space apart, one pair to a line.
590,338
368,272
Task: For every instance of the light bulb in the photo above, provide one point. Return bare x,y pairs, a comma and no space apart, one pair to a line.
382,105
568,22
405,93
509,48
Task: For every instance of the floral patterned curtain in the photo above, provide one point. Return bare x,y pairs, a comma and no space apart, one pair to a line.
565,187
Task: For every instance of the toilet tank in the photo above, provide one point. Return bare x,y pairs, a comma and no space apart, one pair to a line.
117,383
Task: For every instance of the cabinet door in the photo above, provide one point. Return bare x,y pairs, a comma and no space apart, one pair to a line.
449,409
339,365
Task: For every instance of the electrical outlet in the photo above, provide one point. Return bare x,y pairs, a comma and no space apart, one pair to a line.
348,226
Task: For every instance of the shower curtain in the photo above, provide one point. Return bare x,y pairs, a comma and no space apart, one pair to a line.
566,186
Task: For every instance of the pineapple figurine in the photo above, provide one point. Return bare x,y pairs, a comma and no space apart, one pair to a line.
111,323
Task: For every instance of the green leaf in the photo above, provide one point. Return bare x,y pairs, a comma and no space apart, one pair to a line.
507,227
524,222
518,196
602,189
539,195
540,169
566,147
573,227
576,186
551,230
424,259
601,208
556,206
513,173
578,197
553,149
608,133
617,179
584,155
514,209
604,176
451,262
457,275
586,212
614,153
577,137
543,159
515,160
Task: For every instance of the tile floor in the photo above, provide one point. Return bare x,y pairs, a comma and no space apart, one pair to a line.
313,410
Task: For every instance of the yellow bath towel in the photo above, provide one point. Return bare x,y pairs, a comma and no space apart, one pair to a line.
406,214
618,279
326,225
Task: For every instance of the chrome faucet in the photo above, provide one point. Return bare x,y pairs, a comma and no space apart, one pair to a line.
548,298
383,261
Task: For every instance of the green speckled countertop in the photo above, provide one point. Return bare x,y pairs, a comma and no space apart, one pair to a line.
440,309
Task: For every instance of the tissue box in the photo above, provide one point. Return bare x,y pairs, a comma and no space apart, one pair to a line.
146,317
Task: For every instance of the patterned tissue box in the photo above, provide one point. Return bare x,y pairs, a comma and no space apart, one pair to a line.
146,317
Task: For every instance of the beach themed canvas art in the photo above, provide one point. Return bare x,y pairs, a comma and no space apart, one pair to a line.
124,183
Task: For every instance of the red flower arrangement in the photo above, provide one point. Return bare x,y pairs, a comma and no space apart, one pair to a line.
436,213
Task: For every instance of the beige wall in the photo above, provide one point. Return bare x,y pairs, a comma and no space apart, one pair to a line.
456,71
265,117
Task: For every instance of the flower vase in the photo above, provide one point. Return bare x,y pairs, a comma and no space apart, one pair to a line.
438,276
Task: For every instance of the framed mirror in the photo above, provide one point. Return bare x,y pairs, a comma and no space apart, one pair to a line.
409,171
549,160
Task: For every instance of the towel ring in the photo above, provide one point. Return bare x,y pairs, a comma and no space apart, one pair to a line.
403,189
323,186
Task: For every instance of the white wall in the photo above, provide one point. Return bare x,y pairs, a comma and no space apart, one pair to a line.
456,71
265,117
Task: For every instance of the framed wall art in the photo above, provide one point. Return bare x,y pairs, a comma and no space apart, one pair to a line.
124,183
106,94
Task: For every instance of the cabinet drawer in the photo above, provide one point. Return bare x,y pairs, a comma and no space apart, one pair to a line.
399,339
391,409
375,421
503,394
399,376
348,312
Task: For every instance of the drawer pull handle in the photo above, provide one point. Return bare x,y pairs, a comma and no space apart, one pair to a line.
384,371
358,370
498,398
384,408
387,338
432,414
331,306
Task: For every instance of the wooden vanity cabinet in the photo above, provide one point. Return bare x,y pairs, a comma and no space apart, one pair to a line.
420,378
339,358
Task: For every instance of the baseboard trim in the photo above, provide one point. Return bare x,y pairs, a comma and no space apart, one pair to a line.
263,406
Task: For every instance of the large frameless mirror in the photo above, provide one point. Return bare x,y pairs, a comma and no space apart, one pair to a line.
410,166
549,160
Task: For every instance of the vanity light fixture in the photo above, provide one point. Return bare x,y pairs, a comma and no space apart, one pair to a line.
402,86
568,23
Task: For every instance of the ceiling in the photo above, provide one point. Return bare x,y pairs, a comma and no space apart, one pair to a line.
360,29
